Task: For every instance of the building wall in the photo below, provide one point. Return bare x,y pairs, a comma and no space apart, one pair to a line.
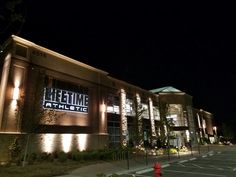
29,65
205,126
28,69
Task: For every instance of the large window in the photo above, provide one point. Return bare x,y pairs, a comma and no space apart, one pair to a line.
55,83
113,104
129,107
176,114
114,130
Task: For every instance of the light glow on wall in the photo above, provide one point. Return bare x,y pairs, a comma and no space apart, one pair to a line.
63,142
48,142
82,142
103,107
66,140
102,122
16,93
187,135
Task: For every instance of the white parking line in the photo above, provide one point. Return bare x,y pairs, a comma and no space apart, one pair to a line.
144,171
151,169
142,175
166,165
204,174
220,169
193,159
183,161
212,166
181,165
234,169
195,165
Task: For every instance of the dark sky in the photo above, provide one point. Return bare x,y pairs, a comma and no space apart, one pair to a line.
191,47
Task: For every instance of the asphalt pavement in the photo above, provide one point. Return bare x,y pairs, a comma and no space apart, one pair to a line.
221,163
126,166
204,161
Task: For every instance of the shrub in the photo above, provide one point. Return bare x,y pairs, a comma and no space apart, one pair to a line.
62,156
77,156
32,158
101,175
171,151
15,150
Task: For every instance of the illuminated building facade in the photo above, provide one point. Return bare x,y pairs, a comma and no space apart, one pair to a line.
176,106
64,104
206,130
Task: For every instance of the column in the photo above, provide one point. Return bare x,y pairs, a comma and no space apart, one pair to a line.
139,121
151,117
3,85
123,118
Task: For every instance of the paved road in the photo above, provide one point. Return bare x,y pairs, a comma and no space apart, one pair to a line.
214,164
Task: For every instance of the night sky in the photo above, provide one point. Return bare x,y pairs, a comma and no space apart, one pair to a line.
191,47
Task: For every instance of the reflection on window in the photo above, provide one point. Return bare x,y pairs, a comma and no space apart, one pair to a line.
113,104
145,112
129,107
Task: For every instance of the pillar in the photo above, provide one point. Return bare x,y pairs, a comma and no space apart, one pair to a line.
123,118
151,117
3,85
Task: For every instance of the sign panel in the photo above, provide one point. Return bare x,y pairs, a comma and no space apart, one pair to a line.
64,100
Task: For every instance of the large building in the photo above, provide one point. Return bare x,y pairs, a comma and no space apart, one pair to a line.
206,129
64,104
177,107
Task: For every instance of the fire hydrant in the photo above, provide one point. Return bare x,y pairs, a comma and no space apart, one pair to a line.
157,169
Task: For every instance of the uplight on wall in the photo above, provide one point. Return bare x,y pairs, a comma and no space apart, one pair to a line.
16,93
66,140
82,142
48,142
16,89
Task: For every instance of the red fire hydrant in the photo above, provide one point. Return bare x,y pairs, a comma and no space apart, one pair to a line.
157,169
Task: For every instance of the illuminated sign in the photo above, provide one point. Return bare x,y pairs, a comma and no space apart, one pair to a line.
63,100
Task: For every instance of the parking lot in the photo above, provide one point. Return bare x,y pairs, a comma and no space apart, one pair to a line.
214,163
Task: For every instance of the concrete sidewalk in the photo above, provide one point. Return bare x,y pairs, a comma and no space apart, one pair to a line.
124,166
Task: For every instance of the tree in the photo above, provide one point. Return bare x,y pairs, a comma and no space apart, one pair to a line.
15,150
228,131
12,17
164,124
138,124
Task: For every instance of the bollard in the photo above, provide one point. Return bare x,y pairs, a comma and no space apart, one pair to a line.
157,169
